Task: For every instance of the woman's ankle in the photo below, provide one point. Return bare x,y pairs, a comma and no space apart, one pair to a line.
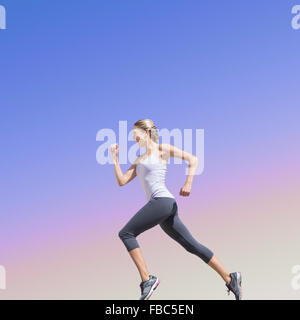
146,278
228,279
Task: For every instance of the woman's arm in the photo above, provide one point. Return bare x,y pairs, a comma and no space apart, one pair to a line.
130,174
172,151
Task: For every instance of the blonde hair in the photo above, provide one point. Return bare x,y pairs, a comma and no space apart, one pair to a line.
147,124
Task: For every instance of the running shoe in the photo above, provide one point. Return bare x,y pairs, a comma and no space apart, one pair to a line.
148,286
235,285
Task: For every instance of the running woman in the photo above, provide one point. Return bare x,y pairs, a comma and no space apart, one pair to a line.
161,207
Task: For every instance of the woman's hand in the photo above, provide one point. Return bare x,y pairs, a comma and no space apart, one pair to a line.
114,149
186,190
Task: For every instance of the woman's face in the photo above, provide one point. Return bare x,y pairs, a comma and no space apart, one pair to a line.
140,136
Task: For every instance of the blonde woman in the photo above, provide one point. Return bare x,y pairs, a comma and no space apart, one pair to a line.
161,207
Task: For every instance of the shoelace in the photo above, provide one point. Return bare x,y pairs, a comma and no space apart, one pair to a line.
145,284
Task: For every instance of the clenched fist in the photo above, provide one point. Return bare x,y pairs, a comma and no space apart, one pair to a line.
185,190
114,149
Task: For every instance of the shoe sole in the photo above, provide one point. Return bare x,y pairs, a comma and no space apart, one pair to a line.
239,280
152,289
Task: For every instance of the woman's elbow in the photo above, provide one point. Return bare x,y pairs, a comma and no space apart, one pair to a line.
121,183
193,162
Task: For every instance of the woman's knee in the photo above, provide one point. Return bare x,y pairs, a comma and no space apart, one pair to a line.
202,252
122,233
125,234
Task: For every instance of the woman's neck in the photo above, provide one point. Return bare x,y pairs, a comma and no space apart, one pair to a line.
152,147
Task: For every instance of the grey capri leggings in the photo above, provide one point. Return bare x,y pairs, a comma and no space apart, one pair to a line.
162,211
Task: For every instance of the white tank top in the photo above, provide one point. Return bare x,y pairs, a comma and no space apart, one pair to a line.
151,173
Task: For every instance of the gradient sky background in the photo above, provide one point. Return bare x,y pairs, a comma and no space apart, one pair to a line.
71,68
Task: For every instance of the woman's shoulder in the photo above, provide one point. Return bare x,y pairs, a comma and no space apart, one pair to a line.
165,149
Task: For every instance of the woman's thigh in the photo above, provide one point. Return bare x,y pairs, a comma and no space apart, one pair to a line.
152,213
